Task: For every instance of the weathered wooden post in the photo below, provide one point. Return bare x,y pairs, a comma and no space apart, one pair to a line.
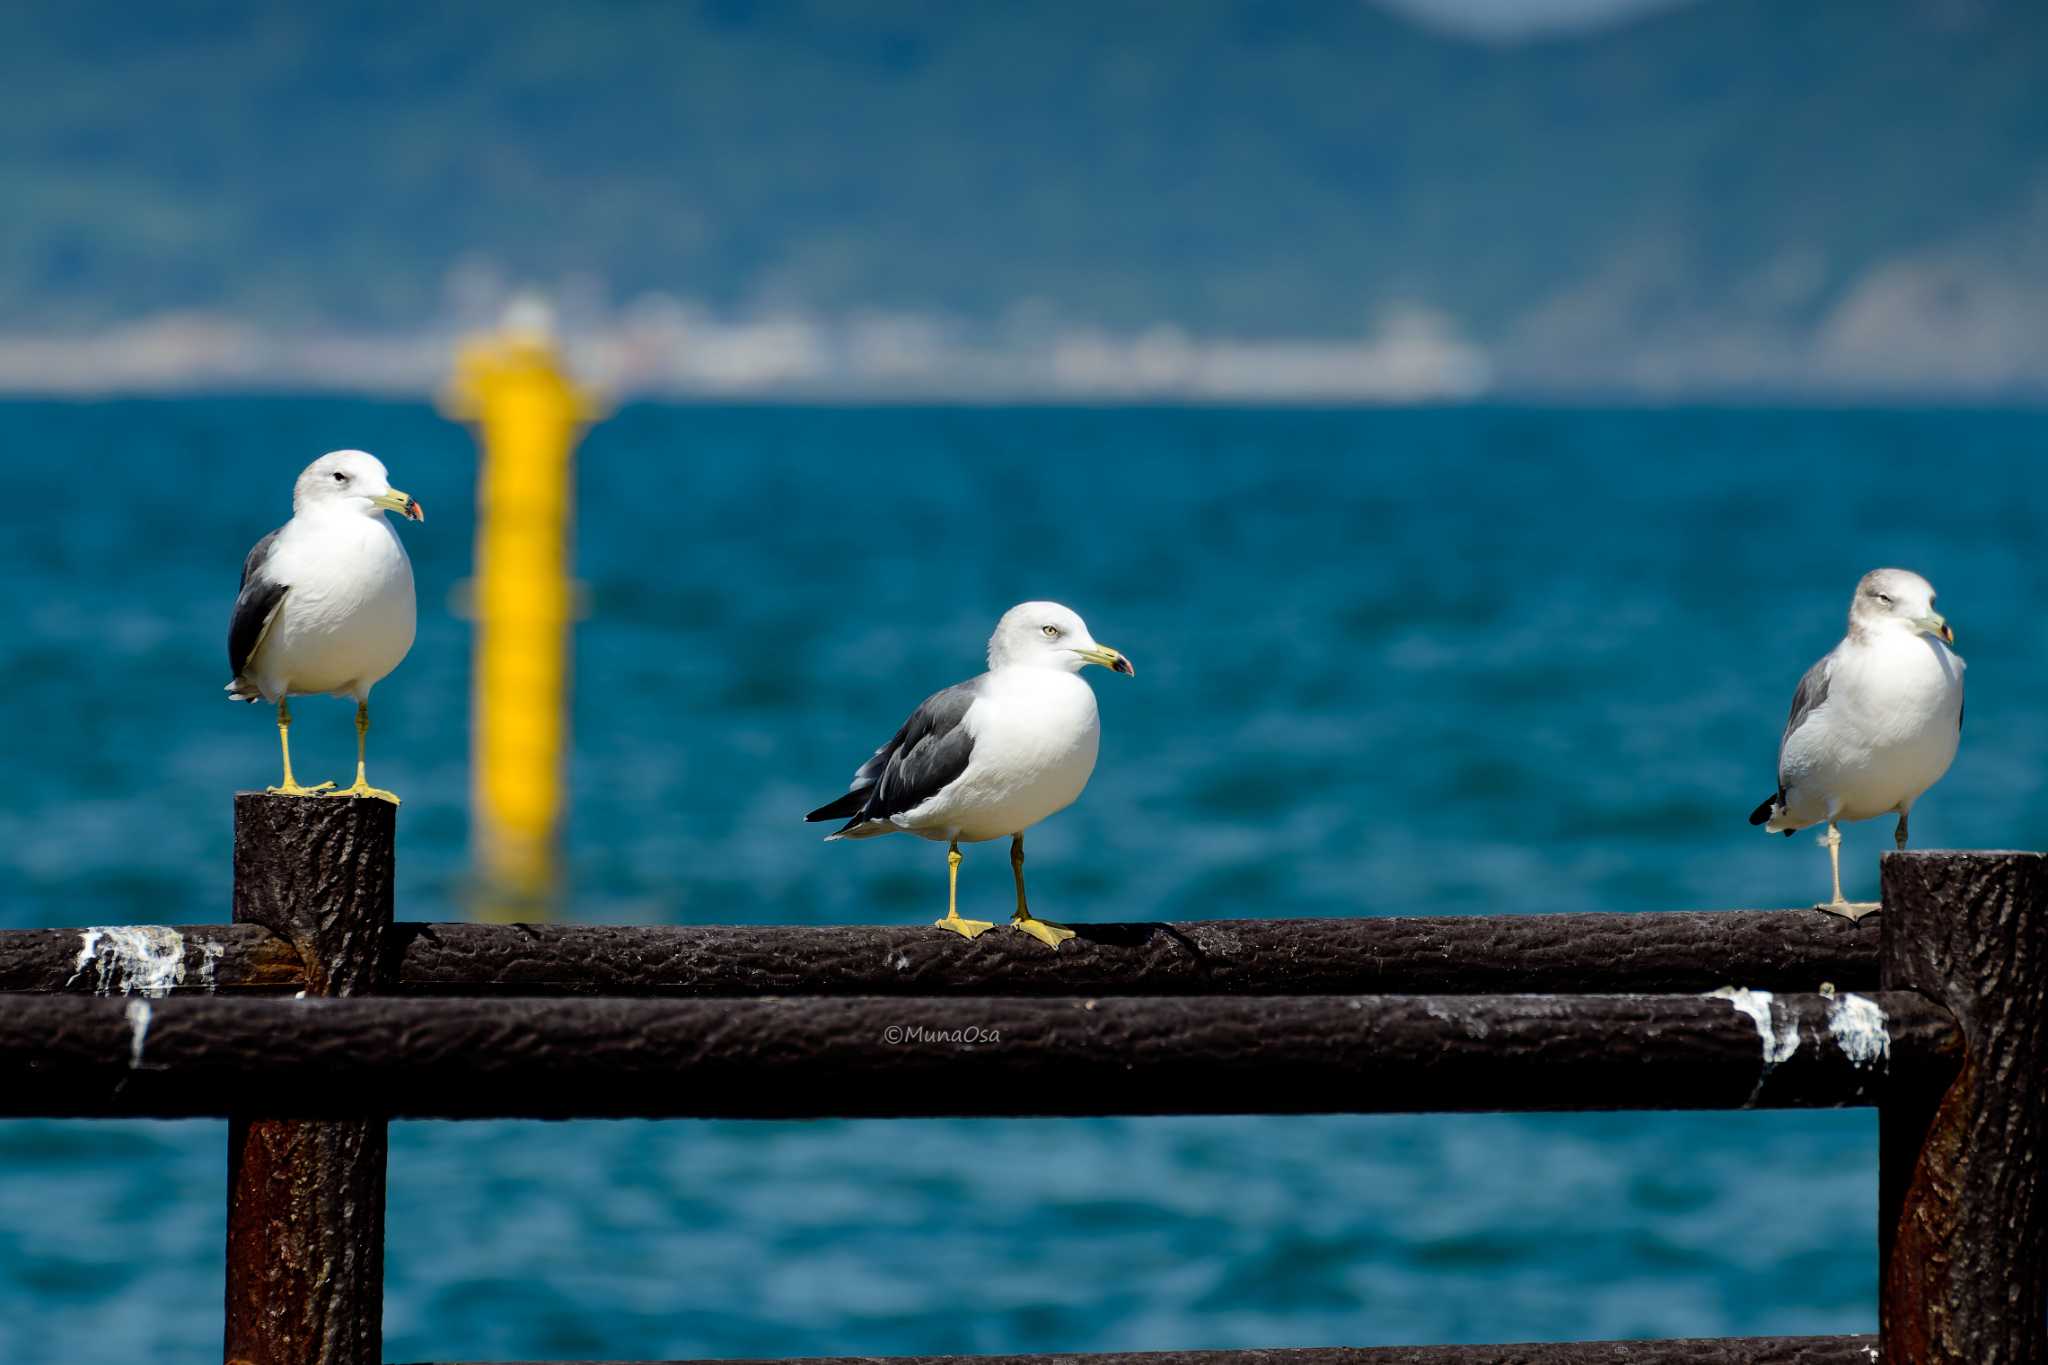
1963,1212
305,1272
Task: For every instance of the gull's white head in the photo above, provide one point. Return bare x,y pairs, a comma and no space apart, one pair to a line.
1048,635
351,481
1897,599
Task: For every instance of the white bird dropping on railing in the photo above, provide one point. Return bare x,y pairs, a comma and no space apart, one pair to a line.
139,959
1874,724
326,602
991,756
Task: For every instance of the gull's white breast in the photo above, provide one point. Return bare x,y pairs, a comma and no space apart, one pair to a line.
1887,732
1036,734
349,616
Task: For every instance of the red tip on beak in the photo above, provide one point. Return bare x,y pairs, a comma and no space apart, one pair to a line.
413,510
1123,666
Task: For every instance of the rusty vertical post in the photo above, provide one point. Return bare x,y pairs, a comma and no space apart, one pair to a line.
1963,1214
305,1269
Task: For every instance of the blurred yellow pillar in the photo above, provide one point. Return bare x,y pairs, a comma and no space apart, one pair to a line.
528,414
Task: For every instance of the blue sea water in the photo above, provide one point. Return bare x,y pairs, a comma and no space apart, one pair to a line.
1389,662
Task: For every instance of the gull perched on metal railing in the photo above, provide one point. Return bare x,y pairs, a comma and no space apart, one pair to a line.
326,602
1874,724
991,756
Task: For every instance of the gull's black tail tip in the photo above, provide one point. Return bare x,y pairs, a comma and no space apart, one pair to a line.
1768,808
844,808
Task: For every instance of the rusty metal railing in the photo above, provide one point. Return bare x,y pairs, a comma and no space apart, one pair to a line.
314,1019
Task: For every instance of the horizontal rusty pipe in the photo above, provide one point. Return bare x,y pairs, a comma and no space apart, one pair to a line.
1696,1351
1780,950
868,1056
149,959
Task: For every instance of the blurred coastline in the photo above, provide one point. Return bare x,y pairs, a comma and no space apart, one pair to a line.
664,349
660,348
1325,201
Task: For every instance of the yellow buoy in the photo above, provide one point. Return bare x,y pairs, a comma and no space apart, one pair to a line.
528,414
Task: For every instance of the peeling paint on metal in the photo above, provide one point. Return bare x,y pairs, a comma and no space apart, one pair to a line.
138,1032
1858,1026
137,959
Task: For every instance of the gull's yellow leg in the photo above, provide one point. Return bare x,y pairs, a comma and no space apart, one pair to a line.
1045,931
362,785
1847,909
1833,840
290,786
966,928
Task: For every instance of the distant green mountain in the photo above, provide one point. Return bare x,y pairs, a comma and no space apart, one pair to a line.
1755,176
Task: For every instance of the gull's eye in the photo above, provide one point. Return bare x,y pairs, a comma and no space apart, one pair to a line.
340,477
1050,632
1885,598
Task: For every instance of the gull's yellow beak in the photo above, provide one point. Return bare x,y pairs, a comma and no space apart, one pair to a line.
405,504
1935,624
1109,659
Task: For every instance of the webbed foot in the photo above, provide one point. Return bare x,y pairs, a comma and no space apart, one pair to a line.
1851,911
363,788
291,788
1045,931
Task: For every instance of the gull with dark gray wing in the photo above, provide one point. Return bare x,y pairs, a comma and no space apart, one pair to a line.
1874,724
326,603
990,757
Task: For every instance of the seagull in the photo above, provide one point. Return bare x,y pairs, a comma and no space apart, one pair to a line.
326,602
1874,724
991,756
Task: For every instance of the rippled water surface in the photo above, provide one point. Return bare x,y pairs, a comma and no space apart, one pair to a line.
1388,663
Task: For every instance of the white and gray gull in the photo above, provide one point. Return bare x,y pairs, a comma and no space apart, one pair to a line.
1874,724
326,602
991,756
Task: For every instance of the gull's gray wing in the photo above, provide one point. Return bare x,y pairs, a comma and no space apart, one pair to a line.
1811,693
255,608
927,755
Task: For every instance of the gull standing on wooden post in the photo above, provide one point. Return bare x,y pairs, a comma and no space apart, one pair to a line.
1874,724
991,756
326,602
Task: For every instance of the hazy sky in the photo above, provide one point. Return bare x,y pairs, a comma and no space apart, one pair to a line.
1522,18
